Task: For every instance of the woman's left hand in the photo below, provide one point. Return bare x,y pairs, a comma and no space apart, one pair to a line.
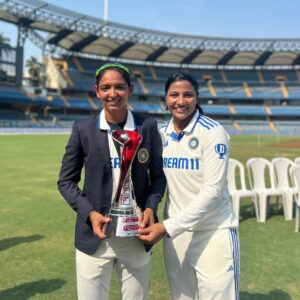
146,218
152,234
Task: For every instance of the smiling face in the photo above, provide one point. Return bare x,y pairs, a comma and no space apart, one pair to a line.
114,91
181,99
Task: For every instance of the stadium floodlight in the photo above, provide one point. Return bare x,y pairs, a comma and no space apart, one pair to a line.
105,29
105,11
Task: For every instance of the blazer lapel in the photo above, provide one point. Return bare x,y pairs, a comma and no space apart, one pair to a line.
102,146
101,142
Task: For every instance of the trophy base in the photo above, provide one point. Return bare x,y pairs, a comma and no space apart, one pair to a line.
124,223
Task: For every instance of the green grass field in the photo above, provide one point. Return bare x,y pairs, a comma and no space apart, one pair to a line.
37,228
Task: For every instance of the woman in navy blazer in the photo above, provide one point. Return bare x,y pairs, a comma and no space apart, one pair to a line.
90,147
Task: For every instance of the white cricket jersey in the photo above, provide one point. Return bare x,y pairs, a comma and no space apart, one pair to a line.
195,166
114,156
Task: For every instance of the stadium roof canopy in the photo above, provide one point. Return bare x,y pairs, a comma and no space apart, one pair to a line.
75,33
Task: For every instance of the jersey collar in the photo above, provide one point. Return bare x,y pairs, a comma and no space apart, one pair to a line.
129,125
190,128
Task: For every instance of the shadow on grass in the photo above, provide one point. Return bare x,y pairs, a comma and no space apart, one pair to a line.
27,290
273,295
248,212
11,242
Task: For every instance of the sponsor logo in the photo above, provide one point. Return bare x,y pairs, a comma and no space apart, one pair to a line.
125,199
221,149
130,219
194,143
230,268
115,162
143,155
181,163
131,227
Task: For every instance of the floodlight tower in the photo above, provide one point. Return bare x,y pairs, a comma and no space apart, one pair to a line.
105,11
105,17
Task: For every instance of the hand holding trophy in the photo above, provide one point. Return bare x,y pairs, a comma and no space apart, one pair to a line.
124,212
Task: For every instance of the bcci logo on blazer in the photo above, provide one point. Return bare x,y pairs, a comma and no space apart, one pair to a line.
143,155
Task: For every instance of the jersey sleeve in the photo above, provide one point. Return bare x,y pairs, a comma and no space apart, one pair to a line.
215,148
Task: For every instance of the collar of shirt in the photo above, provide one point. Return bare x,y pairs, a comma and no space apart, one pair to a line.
129,125
169,130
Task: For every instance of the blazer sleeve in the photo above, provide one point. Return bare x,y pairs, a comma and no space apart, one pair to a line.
70,175
156,174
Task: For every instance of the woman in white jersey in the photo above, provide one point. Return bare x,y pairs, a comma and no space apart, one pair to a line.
201,247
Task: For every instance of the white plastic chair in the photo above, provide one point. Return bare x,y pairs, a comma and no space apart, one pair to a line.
295,174
257,168
297,160
235,168
282,182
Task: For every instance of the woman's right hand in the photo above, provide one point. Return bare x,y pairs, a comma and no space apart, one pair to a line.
98,221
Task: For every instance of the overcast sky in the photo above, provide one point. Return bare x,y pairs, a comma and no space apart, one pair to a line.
219,18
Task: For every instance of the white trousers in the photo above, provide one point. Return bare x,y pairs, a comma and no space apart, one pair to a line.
132,263
203,265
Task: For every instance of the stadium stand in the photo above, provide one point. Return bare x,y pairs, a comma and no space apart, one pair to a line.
246,90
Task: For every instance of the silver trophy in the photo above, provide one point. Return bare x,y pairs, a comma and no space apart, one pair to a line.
124,212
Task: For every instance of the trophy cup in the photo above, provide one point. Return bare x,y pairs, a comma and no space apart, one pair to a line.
124,212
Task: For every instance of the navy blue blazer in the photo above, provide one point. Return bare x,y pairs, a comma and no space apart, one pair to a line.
88,148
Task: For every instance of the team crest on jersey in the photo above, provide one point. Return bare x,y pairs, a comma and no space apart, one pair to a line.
193,143
221,149
143,155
